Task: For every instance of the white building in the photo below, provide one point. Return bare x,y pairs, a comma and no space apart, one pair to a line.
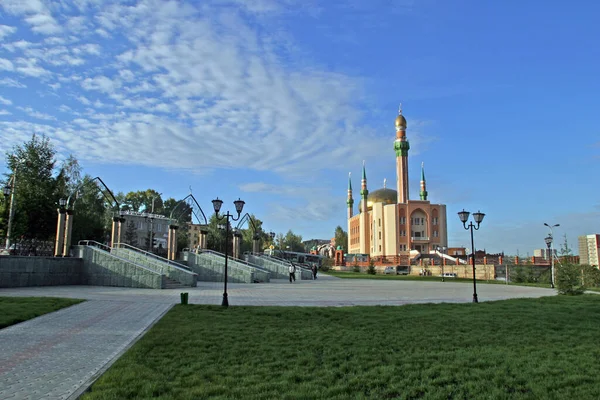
589,247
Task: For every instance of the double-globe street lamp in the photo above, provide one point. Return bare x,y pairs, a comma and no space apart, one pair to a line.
464,217
239,206
549,239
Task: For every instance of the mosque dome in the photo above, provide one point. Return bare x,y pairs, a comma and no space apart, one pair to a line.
400,121
384,195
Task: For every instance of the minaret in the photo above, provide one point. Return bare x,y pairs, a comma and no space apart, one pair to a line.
401,146
364,215
350,200
423,193
350,203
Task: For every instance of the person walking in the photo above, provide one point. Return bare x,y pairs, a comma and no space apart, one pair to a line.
314,271
292,270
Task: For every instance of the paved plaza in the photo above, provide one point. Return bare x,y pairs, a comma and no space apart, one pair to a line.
58,355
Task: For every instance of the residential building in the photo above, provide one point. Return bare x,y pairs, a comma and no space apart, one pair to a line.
589,247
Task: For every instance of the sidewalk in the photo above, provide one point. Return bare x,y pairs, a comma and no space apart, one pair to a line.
57,355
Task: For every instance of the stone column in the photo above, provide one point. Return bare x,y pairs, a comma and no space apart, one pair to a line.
68,232
115,232
120,225
172,242
236,244
60,232
203,234
256,244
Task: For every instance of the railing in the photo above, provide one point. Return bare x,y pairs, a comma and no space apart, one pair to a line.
93,243
154,256
419,238
30,247
103,247
237,260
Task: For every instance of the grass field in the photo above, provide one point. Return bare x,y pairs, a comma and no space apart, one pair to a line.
18,309
362,275
516,349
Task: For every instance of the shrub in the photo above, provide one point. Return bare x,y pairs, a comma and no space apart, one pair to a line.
371,269
569,279
356,268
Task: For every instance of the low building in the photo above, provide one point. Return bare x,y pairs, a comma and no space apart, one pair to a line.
139,227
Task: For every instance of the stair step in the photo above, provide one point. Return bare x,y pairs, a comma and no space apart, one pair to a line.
173,284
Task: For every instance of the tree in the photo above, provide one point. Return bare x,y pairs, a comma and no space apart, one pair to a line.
36,190
341,238
293,241
248,234
131,234
564,248
215,239
90,212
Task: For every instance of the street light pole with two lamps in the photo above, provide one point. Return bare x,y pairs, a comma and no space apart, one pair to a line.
9,190
464,217
549,239
239,206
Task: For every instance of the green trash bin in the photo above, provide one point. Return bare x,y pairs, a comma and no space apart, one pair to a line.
184,298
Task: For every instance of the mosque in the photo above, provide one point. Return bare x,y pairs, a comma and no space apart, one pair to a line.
388,224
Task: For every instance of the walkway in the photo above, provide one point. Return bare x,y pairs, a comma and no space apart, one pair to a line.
58,355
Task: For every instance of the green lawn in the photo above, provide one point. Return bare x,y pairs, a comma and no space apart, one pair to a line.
363,275
18,309
529,348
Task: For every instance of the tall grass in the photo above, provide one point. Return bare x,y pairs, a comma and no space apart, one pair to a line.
529,348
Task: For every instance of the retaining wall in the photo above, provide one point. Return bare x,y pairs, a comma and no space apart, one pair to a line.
21,271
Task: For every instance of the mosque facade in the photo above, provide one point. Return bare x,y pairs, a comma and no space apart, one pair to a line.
389,224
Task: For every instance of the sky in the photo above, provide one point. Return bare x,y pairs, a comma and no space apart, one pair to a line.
275,102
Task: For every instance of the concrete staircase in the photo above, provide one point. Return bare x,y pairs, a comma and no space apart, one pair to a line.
173,284
278,267
210,266
172,270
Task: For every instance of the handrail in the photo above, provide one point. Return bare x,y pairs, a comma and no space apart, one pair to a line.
283,260
152,255
93,244
237,260
230,266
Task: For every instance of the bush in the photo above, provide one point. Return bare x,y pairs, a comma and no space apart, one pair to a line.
356,268
326,265
569,279
371,270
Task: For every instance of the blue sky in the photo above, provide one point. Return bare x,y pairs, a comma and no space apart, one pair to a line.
276,101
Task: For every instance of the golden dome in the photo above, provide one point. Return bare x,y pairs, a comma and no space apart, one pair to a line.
384,195
400,121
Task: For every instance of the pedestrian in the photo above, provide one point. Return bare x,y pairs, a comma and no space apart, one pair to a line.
292,270
314,271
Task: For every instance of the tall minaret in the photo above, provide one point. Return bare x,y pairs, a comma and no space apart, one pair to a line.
401,146
350,203
423,193
350,200
364,215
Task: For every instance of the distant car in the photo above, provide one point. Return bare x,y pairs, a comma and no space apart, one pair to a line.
402,270
449,275
389,271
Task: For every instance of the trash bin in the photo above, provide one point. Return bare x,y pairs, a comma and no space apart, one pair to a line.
184,298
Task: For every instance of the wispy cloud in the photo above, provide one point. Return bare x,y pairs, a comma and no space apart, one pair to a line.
5,101
11,83
6,30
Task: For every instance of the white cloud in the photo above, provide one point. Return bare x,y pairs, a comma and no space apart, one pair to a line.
5,101
36,114
11,83
35,13
5,112
6,65
6,30
186,75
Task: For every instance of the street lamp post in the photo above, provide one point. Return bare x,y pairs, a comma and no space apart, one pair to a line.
239,206
550,247
464,217
439,249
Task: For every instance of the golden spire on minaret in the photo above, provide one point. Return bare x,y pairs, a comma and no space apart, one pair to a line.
400,120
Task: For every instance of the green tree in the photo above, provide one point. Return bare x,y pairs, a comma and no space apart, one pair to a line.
90,212
293,241
248,234
341,238
131,234
215,239
564,248
36,189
